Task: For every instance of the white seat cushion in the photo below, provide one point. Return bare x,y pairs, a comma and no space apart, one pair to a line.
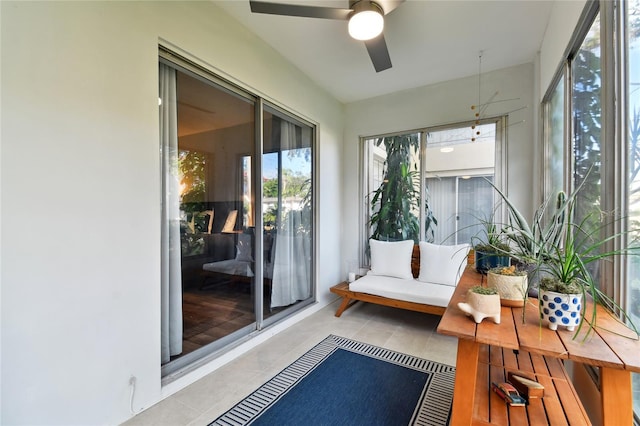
409,290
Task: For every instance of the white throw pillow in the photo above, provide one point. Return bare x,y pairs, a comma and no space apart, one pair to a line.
391,258
442,264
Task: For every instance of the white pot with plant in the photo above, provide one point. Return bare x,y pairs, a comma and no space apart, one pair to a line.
512,285
560,303
482,302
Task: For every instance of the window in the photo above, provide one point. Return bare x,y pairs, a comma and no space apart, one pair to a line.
459,169
394,190
633,179
602,137
431,185
586,114
554,140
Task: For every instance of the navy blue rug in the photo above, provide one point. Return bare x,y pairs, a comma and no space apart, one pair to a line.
345,382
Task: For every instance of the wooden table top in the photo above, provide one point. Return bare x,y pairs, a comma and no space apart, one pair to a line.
610,345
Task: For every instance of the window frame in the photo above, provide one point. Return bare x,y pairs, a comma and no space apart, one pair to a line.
500,172
614,276
613,157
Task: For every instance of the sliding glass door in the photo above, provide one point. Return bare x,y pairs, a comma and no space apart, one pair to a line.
237,213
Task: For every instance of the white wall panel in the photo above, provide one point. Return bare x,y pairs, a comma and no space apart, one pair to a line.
80,188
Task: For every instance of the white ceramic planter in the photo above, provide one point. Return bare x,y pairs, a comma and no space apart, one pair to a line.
560,309
481,306
512,288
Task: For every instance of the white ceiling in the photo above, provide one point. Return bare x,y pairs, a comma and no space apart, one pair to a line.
429,41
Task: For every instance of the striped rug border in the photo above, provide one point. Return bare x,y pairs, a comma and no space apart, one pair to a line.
433,408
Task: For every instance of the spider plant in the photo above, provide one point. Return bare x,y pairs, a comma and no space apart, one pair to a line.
564,251
490,239
568,266
489,245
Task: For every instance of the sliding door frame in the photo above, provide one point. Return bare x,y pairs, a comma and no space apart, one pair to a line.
196,359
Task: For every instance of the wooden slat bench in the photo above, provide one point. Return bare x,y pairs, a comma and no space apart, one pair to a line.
611,347
559,406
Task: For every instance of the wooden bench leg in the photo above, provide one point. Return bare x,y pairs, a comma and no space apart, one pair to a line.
346,303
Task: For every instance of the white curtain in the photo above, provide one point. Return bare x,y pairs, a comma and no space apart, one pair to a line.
292,264
171,275
291,268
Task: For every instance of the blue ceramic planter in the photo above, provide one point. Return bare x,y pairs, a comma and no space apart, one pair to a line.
486,261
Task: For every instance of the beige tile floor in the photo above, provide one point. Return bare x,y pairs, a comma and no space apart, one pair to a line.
198,404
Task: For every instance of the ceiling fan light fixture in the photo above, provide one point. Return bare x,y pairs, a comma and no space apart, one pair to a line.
367,21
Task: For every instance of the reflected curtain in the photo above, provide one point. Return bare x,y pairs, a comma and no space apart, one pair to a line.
171,274
459,204
442,191
475,202
292,264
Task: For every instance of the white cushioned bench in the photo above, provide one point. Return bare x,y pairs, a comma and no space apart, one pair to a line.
402,289
420,277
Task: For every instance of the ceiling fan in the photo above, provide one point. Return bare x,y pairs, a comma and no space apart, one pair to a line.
366,21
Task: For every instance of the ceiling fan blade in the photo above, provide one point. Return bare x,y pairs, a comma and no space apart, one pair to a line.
299,10
378,53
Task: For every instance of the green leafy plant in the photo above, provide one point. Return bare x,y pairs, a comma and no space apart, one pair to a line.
567,266
489,245
396,202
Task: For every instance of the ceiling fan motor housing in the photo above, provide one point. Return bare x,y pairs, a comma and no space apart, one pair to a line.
363,5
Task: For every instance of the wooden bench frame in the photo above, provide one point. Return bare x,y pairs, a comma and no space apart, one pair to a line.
349,298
